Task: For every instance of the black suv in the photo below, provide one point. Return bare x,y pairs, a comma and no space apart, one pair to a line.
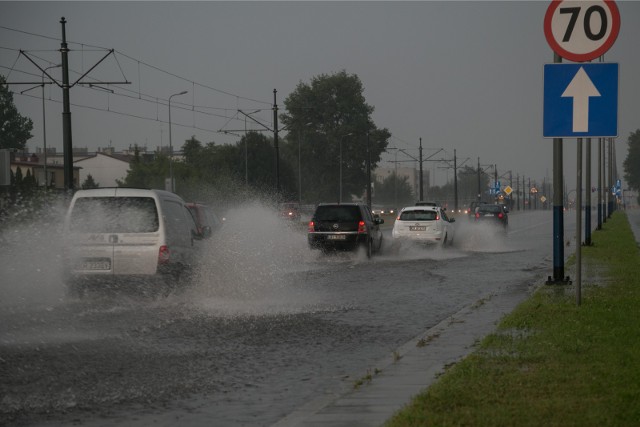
492,214
345,226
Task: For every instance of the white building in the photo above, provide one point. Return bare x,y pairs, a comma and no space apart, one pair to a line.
104,168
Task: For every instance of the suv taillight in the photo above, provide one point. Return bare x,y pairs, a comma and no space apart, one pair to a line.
362,227
312,227
500,215
163,254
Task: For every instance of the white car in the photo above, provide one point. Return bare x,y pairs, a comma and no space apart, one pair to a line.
423,224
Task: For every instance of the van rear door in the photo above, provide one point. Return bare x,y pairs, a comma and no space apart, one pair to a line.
115,235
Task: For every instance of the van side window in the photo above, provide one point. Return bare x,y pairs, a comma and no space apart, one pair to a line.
176,221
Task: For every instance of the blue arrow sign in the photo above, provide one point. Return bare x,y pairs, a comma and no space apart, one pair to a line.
580,100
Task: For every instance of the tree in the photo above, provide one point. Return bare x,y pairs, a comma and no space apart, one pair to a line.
90,183
328,113
632,162
394,191
15,130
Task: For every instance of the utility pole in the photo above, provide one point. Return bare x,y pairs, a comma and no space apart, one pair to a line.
518,192
368,173
455,182
479,186
421,179
275,141
66,113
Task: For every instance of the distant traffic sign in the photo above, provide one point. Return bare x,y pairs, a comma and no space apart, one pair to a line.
580,100
581,31
508,190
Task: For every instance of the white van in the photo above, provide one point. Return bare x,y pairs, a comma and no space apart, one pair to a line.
128,235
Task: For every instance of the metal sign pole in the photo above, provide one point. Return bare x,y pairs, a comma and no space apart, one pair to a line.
579,224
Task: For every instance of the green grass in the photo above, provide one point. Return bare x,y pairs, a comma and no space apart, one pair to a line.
551,362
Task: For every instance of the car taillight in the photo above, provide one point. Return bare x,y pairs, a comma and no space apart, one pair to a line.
477,215
163,254
362,227
312,227
437,217
500,215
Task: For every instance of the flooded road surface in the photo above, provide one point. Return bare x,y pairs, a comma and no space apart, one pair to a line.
267,326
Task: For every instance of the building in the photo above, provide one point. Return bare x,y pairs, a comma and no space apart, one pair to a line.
34,165
106,169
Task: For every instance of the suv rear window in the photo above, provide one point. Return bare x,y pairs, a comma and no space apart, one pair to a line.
490,208
418,215
114,215
338,213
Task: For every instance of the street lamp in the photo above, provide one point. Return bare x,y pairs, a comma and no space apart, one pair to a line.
170,142
44,127
341,138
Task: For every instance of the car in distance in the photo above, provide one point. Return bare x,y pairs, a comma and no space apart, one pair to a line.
128,236
472,208
345,226
423,224
290,211
492,214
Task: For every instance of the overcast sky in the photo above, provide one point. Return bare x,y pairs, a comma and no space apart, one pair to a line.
460,75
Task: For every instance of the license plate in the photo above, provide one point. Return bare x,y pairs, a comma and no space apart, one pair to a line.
336,237
417,228
89,264
489,215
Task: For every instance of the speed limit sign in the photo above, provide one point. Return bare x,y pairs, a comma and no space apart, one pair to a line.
581,30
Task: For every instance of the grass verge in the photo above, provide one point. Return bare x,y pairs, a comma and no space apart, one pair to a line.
551,362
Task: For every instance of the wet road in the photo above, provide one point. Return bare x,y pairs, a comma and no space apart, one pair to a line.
268,326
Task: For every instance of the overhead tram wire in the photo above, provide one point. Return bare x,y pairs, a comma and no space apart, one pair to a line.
144,63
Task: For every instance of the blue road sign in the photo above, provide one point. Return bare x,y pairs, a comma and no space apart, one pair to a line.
580,100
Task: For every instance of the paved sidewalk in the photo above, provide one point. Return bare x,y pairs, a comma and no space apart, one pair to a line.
411,369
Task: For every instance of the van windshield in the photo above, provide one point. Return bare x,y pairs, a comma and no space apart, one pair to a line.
114,215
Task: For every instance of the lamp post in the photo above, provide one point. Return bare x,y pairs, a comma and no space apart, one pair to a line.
170,142
44,127
341,138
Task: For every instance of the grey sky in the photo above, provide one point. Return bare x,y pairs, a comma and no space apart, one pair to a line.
460,75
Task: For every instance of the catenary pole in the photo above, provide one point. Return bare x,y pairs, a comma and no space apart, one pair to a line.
66,113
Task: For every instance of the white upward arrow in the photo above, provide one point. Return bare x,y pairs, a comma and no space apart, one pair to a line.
581,89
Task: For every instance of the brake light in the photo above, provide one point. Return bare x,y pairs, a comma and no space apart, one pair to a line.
477,215
312,227
437,217
500,215
362,228
163,254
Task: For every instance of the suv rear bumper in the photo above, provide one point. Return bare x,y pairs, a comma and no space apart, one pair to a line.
346,240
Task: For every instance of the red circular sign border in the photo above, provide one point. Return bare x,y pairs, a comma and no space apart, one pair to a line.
582,57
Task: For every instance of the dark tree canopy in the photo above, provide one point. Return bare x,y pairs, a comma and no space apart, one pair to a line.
325,115
15,130
394,191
